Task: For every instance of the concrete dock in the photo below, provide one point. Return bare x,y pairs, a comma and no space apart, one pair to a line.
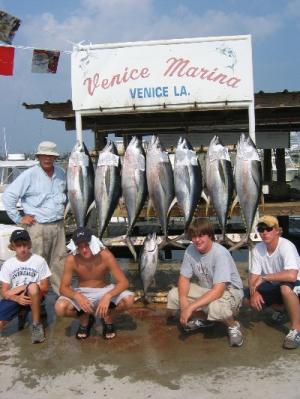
150,358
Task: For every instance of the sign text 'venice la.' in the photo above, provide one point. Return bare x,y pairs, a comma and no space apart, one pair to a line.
175,67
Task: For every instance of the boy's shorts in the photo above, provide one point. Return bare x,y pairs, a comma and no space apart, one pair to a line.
271,292
95,294
10,309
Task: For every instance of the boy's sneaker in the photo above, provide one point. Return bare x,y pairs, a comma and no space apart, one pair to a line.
196,324
292,340
235,335
37,333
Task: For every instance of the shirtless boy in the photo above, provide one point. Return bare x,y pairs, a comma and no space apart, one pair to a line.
94,296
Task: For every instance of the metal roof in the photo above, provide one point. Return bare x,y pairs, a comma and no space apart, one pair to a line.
274,112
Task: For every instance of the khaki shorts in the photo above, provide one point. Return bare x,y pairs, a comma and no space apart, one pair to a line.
221,309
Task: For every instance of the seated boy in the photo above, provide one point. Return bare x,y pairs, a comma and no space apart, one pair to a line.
24,279
94,296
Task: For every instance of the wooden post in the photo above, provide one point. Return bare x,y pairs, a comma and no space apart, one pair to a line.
267,165
280,165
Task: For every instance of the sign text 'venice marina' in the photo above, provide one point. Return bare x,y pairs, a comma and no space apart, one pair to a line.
176,73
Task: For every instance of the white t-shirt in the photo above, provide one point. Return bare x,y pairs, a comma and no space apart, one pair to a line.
16,273
285,257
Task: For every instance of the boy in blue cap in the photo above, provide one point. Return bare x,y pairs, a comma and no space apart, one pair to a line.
24,279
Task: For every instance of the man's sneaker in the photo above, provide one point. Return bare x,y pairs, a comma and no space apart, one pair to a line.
278,318
196,324
37,333
292,340
235,335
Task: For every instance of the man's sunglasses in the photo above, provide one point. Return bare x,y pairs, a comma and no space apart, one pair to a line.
261,229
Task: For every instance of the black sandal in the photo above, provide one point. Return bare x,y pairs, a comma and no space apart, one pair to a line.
108,328
83,332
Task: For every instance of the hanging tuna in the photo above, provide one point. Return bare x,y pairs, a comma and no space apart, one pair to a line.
187,179
219,180
107,185
160,183
248,179
134,184
80,182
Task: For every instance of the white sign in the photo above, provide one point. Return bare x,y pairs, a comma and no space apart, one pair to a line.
133,76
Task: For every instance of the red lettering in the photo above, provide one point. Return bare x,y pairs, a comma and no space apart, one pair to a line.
221,78
176,63
233,82
105,84
145,73
134,74
192,72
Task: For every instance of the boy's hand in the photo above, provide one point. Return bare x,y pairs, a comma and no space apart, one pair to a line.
23,300
83,302
103,306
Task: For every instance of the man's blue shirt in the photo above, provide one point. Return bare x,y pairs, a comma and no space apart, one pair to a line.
41,196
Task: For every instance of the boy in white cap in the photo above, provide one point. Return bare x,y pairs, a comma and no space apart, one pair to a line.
41,190
24,279
274,277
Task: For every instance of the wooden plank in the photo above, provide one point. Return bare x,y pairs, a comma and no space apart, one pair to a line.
288,208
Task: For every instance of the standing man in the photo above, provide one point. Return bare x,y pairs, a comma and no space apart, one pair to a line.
219,292
274,276
41,190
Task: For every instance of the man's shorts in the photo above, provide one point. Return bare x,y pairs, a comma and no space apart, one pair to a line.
94,295
221,309
271,292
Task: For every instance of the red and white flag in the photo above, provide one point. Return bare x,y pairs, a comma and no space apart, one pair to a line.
44,61
7,55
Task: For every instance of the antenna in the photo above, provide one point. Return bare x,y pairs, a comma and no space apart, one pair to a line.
5,144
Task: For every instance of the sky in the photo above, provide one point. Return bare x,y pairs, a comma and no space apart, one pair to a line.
57,25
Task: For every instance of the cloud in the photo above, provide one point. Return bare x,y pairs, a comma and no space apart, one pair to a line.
293,8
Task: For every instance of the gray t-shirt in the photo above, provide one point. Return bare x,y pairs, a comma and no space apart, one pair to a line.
216,266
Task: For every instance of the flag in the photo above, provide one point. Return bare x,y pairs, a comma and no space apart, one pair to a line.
8,27
7,60
44,61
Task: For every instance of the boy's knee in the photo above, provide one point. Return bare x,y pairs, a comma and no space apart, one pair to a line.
33,289
126,302
60,308
3,323
173,299
285,290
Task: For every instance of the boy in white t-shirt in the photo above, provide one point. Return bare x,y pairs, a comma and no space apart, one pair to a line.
24,279
274,276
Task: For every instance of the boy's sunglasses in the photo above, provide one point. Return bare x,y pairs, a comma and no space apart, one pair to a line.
261,229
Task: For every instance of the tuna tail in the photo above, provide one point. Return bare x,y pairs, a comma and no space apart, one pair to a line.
166,241
131,247
246,242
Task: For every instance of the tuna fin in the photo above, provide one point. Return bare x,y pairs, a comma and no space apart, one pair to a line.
263,201
207,206
131,247
205,197
91,207
67,209
172,204
234,203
